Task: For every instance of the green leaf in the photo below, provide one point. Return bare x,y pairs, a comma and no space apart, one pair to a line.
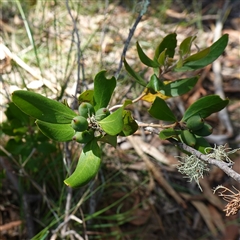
161,111
185,46
87,167
162,57
155,84
113,124
42,108
112,140
86,96
205,106
57,132
197,56
215,51
179,87
135,75
145,59
129,124
169,43
103,90
169,133
127,102
13,112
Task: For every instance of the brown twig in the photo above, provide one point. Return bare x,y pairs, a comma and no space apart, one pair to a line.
130,35
226,167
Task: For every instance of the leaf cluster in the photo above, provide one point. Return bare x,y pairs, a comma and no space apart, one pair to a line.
55,119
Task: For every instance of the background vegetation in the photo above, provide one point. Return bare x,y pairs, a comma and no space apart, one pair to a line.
50,46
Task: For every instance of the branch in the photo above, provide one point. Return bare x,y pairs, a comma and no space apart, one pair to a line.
79,54
226,167
130,35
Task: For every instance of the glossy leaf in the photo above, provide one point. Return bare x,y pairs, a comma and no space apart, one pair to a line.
205,106
112,140
42,108
169,133
215,51
179,87
129,124
145,59
13,112
113,124
87,167
103,89
57,132
162,57
161,111
86,96
135,75
155,84
197,56
169,43
185,46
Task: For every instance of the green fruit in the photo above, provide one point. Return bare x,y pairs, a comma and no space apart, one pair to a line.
188,138
79,124
101,113
206,130
85,109
195,123
202,145
83,137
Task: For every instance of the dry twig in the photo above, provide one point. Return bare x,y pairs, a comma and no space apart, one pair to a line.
232,198
225,166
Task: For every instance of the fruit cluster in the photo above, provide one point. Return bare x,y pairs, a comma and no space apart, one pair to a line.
85,123
196,126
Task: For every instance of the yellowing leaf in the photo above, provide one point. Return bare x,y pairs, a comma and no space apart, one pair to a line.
150,97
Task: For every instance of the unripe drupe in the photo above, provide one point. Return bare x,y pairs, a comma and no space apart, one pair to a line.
188,138
83,137
101,113
85,109
79,123
195,123
206,130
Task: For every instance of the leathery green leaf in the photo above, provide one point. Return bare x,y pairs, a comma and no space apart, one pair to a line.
215,50
205,106
155,84
57,132
112,140
185,45
179,87
113,124
87,167
86,96
169,133
135,75
145,59
169,43
42,108
103,90
161,111
197,56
